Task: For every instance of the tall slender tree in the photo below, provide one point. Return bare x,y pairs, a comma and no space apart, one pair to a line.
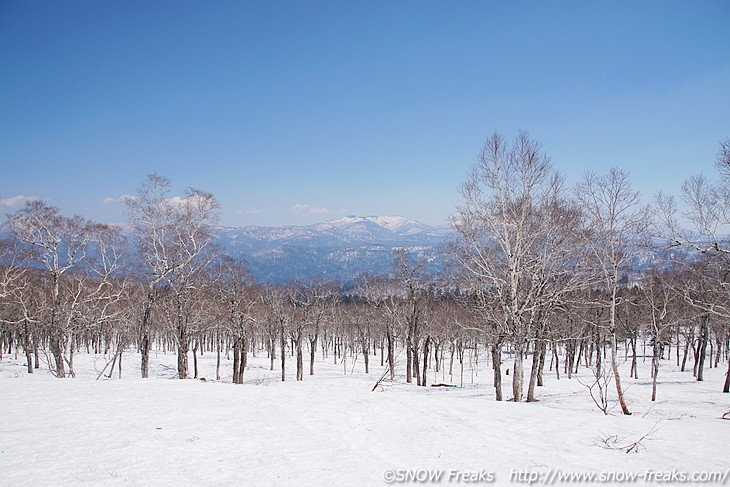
617,222
171,233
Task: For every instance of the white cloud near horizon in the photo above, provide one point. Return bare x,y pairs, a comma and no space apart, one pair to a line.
16,200
108,200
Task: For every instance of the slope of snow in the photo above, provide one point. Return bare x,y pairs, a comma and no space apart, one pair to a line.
395,224
392,223
331,429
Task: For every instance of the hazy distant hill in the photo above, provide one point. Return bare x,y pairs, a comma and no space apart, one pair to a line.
339,249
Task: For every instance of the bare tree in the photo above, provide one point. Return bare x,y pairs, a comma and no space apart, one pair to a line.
57,244
171,233
660,293
700,221
618,223
280,312
411,273
507,241
14,287
380,294
238,299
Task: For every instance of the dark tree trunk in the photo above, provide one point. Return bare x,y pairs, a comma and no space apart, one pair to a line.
272,351
425,359
702,348
541,366
29,359
243,359
57,352
657,355
391,355
236,360
144,333
283,355
382,352
195,360
300,358
183,347
218,360
497,366
409,357
634,368
366,354
416,361
533,373
689,343
28,347
312,352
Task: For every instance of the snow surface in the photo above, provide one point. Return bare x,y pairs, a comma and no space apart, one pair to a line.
331,429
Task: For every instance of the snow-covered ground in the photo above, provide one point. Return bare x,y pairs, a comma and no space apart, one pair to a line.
331,429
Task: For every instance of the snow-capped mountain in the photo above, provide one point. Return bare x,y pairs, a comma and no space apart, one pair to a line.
339,249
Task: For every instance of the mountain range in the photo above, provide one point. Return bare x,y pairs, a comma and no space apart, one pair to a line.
339,250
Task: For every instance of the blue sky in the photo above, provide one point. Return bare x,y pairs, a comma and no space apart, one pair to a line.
303,111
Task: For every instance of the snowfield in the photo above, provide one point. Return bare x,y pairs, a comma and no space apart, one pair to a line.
331,429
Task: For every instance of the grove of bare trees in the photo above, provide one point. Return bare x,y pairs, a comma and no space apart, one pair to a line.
540,275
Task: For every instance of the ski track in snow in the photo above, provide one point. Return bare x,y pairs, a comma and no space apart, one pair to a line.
330,429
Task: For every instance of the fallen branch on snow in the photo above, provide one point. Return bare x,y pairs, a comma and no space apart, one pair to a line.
611,442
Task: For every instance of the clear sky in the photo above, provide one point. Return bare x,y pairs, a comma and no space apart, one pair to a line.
293,112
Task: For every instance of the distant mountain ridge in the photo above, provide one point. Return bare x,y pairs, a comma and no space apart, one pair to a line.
339,250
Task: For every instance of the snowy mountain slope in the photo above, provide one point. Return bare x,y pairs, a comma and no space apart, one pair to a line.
339,249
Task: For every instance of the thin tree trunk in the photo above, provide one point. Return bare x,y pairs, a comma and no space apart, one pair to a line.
534,370
244,359
416,362
702,348
391,357
272,351
236,360
655,367
409,358
218,360
283,355
300,359
497,367
144,332
195,360
312,353
425,359
634,365
617,376
365,355
28,347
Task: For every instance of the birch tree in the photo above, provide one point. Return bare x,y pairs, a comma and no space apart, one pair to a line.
617,223
57,244
170,234
699,220
504,225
